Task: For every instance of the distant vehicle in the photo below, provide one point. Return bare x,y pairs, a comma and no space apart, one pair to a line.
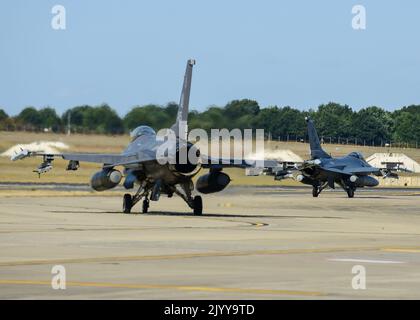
142,168
322,170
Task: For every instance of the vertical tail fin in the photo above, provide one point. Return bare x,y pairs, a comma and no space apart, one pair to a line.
180,126
316,150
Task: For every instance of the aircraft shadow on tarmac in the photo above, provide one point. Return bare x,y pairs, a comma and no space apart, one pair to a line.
336,195
221,215
205,215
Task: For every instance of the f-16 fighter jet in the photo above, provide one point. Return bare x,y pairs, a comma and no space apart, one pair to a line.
153,172
322,170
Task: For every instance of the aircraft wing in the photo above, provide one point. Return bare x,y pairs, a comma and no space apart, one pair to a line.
379,172
219,163
108,160
100,158
352,171
363,170
85,157
342,169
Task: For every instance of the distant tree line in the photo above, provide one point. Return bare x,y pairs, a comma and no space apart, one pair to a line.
336,123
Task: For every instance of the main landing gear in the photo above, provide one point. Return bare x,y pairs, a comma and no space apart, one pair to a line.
315,192
127,203
185,192
317,189
145,206
195,203
198,206
348,187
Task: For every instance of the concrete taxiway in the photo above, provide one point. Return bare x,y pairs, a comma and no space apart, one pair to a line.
262,243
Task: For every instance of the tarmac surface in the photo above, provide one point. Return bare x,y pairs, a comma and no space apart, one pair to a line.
251,243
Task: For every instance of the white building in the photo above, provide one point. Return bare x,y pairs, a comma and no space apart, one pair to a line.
393,161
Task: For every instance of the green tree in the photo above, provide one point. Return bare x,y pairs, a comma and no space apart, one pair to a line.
3,115
30,118
5,121
269,120
103,119
239,113
373,124
77,115
334,120
293,122
49,119
212,118
407,126
149,115
171,110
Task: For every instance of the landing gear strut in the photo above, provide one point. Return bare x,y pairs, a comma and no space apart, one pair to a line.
315,192
198,206
127,203
195,203
317,189
348,187
145,207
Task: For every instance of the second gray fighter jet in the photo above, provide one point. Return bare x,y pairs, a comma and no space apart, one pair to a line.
322,170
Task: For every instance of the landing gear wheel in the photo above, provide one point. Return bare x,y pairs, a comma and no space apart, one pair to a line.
127,203
145,207
315,192
350,192
198,206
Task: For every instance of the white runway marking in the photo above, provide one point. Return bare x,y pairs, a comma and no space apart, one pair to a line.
367,261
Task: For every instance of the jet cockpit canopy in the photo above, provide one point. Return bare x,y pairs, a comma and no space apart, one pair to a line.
357,155
142,131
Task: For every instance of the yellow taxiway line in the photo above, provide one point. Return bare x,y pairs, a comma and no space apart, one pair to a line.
169,287
181,256
203,255
402,250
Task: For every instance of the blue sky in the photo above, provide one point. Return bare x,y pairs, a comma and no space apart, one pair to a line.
125,53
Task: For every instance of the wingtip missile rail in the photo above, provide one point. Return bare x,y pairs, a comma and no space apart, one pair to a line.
22,154
44,167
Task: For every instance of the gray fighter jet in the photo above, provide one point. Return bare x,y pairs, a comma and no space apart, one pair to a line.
143,167
349,172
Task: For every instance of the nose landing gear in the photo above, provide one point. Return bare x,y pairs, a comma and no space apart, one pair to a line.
145,206
350,192
129,201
